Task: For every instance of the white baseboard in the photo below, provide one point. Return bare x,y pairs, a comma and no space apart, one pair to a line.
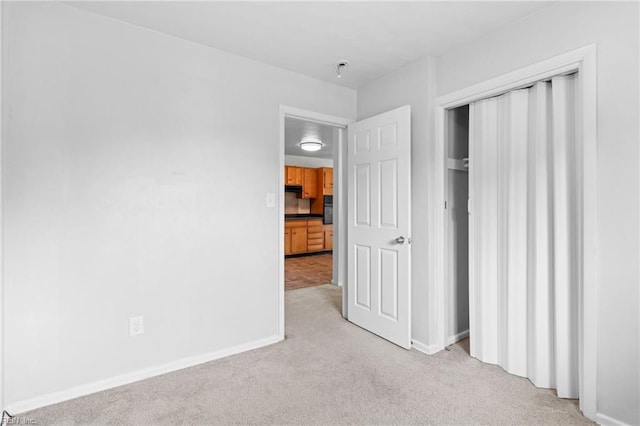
427,349
605,420
336,283
89,388
457,337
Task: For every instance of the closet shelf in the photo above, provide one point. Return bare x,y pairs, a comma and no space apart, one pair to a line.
458,164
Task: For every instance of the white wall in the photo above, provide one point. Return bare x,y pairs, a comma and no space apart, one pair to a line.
133,185
412,85
556,29
302,161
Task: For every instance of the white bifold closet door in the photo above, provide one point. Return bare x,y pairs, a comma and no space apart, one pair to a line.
524,226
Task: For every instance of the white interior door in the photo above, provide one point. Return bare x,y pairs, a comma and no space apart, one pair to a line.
379,225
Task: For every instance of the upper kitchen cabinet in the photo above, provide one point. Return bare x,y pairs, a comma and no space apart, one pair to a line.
309,183
305,177
293,175
325,180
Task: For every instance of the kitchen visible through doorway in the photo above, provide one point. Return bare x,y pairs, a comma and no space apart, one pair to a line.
308,203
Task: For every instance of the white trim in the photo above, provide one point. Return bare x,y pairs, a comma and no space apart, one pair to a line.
2,139
280,251
512,81
340,217
427,349
316,117
605,420
339,229
124,379
457,337
583,61
339,257
302,114
588,335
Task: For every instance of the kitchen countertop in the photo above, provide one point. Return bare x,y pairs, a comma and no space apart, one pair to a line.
303,216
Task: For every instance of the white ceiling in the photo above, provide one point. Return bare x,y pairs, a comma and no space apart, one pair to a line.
310,37
296,130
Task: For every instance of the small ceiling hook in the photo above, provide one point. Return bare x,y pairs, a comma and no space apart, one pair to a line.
339,66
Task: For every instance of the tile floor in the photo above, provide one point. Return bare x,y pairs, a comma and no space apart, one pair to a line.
307,271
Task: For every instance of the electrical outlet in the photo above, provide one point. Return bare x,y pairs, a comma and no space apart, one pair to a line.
136,326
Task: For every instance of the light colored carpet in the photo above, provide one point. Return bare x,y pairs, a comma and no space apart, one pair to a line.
327,371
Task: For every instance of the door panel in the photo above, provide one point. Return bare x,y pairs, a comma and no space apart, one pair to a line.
389,275
388,192
379,225
363,276
363,195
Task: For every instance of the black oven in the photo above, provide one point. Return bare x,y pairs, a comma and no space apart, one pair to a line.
327,210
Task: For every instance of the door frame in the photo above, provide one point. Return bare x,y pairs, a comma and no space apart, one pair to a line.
583,61
339,199
3,133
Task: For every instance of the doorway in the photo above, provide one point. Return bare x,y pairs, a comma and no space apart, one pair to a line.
308,202
379,170
338,253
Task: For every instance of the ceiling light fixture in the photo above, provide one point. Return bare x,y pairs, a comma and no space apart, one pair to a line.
339,66
311,145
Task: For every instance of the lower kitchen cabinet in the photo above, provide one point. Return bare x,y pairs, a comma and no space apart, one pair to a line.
315,235
307,236
295,236
328,237
287,240
298,240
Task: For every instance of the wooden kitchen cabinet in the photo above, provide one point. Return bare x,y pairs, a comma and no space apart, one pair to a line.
307,236
292,175
328,237
287,240
325,180
304,176
295,236
315,235
309,183
298,240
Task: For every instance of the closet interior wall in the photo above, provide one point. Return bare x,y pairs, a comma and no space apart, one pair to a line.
458,223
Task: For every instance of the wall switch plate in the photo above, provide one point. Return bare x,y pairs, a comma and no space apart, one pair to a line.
271,199
136,326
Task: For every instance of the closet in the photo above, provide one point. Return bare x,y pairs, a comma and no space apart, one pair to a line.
513,194
458,223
